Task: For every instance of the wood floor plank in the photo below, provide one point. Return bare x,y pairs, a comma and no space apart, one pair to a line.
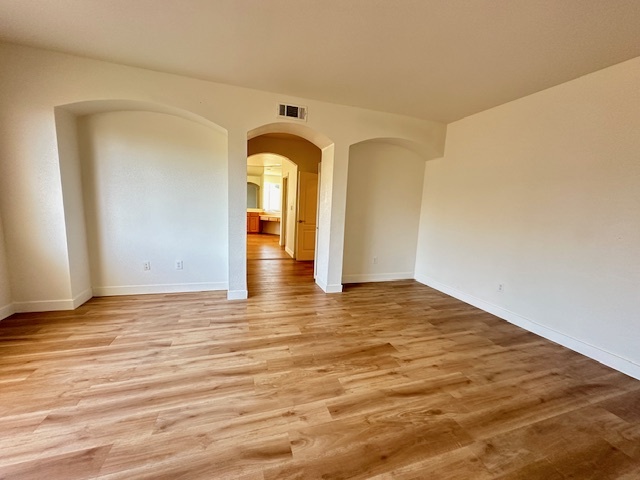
456,464
69,466
389,380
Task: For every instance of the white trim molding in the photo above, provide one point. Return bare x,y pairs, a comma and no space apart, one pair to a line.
48,305
7,311
43,306
607,358
82,298
329,288
159,288
377,277
337,288
237,294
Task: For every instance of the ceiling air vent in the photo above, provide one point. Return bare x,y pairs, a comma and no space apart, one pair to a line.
292,111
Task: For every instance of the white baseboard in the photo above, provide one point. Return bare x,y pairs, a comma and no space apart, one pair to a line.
82,298
596,353
289,252
376,277
7,311
51,305
326,288
160,288
43,306
237,294
336,288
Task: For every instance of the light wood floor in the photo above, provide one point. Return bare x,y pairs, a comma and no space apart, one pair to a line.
387,380
262,246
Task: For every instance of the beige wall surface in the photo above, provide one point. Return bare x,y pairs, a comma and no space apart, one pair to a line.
155,190
383,212
534,213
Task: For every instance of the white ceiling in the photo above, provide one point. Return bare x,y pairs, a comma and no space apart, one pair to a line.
434,59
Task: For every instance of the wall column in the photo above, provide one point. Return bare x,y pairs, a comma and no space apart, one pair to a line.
338,216
333,200
237,174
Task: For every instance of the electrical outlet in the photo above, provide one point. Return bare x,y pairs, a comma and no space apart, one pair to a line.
500,287
146,265
179,265
375,260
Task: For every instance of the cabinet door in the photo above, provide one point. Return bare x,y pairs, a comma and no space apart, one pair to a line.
253,224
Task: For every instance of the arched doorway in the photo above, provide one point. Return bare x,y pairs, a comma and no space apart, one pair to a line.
285,166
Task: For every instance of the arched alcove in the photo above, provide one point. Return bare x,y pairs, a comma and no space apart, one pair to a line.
90,107
384,195
166,166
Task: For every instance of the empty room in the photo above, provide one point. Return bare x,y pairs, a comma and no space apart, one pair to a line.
256,240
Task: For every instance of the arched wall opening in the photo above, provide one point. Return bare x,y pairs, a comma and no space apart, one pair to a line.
145,198
321,154
266,170
384,196
302,158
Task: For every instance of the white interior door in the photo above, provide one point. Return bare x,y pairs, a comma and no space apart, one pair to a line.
307,208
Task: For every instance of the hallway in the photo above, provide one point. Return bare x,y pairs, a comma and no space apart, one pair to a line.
261,246
271,271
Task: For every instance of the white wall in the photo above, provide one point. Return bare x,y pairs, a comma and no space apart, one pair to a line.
384,194
6,304
155,190
542,195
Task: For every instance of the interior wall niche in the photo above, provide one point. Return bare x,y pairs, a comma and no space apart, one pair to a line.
155,202
384,195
